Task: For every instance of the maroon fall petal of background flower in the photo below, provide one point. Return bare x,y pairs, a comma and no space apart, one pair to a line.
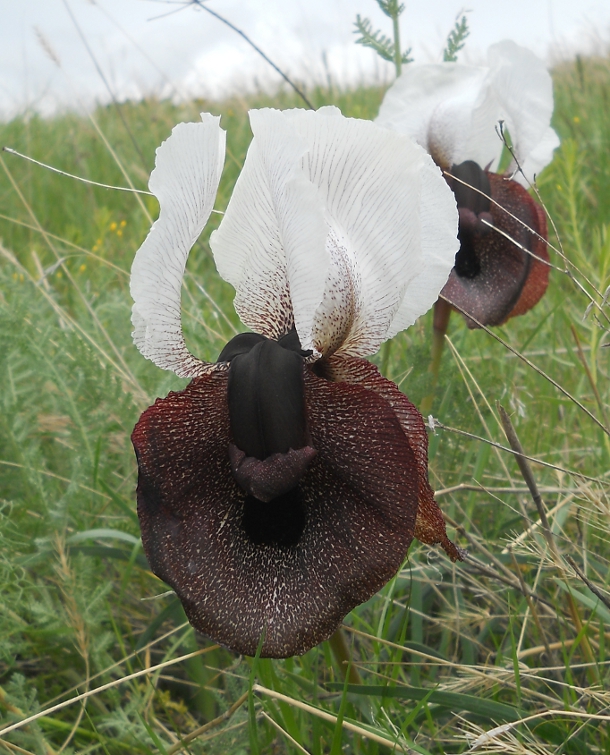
361,495
510,280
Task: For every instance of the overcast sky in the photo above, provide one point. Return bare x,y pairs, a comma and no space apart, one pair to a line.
145,46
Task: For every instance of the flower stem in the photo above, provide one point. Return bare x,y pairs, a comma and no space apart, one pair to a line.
342,654
386,351
442,313
397,53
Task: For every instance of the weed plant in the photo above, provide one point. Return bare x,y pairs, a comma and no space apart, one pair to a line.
503,653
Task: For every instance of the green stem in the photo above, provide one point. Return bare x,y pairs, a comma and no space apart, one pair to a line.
342,654
386,351
397,53
442,313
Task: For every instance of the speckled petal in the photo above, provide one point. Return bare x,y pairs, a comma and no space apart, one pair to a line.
391,219
360,494
430,525
271,244
185,180
510,280
538,277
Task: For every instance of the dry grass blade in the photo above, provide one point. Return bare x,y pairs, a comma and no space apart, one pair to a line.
72,323
124,367
530,481
530,364
76,178
185,741
594,589
285,734
111,685
325,716
440,426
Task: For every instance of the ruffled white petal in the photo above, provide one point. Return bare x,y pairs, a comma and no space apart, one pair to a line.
453,110
370,181
271,244
185,181
331,221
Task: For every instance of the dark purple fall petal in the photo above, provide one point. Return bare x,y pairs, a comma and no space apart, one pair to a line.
494,279
430,525
359,497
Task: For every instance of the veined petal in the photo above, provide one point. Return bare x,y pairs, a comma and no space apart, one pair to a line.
271,244
185,180
374,185
429,525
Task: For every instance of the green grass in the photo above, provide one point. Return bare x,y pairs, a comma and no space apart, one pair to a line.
445,652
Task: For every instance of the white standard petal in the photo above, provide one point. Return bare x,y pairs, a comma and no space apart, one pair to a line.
374,184
524,90
271,244
448,108
453,110
185,181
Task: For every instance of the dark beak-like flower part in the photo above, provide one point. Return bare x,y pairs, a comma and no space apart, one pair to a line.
284,485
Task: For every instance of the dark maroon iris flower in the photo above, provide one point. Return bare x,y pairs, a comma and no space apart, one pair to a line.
501,269
283,486
453,111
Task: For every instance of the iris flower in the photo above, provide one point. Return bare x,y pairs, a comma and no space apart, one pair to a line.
453,111
283,486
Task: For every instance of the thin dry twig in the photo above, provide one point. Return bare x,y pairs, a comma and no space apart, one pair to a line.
255,47
437,425
59,172
528,476
594,589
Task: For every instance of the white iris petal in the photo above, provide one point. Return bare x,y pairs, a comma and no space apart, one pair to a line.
185,181
336,226
370,182
271,244
453,110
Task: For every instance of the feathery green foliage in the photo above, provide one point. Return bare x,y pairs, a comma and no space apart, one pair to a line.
387,49
456,39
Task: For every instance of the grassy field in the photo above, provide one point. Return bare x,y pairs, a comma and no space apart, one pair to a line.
505,651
